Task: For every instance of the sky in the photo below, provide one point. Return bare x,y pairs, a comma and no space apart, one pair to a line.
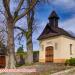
65,9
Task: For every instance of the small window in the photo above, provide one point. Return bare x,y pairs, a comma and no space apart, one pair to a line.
56,46
70,49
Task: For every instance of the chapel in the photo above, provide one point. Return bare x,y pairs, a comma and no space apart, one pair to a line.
56,44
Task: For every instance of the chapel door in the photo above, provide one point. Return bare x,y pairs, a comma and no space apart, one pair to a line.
49,54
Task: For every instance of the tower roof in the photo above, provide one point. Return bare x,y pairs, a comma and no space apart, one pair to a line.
53,15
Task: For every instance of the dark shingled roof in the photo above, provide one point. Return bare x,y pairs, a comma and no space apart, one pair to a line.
51,31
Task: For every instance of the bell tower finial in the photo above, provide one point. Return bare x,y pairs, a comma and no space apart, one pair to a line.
53,19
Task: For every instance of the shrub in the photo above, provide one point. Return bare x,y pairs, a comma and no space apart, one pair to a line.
18,65
67,62
70,61
20,50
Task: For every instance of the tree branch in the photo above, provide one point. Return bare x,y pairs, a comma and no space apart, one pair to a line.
18,8
26,11
6,6
18,35
26,33
16,27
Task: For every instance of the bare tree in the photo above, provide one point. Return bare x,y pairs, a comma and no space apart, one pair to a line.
30,19
11,20
29,32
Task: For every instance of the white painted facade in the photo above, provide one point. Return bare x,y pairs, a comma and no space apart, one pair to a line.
61,48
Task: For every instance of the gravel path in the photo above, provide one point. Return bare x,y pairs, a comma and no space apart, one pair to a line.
43,69
71,73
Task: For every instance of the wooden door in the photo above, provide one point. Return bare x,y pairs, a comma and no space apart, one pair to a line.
49,54
2,61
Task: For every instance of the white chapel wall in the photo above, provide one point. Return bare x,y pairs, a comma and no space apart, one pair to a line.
63,49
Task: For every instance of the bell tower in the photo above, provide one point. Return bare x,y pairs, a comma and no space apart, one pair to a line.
53,19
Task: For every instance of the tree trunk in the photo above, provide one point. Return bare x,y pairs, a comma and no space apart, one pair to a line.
10,54
29,44
29,50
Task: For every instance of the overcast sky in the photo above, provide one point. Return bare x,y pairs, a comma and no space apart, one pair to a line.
65,10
